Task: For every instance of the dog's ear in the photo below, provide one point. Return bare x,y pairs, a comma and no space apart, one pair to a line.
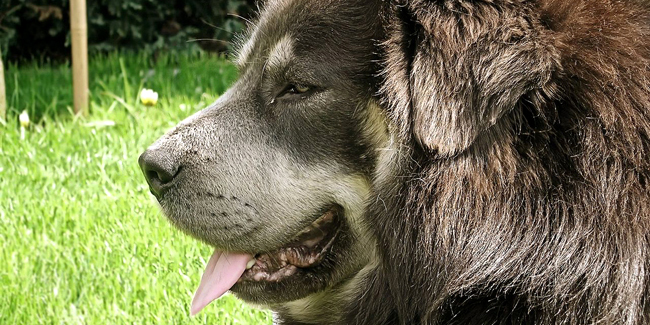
454,68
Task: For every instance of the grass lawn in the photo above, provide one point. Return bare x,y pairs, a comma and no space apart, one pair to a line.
82,240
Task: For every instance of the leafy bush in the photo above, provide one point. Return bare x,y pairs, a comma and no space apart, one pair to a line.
41,28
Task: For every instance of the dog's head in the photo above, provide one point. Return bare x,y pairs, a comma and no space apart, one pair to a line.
277,172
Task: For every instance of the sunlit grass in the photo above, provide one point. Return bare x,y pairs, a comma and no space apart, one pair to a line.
82,241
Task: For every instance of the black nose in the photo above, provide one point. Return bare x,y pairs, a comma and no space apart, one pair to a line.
159,169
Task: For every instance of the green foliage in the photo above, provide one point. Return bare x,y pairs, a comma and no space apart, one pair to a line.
83,242
41,28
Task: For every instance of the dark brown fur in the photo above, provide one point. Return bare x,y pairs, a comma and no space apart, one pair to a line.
523,196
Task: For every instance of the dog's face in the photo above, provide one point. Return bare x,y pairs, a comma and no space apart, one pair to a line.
276,173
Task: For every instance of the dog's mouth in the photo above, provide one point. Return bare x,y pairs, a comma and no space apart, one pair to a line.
308,249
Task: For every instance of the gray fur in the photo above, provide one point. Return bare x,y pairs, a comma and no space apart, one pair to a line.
258,166
493,156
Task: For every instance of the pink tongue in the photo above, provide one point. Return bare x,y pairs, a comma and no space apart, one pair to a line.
221,273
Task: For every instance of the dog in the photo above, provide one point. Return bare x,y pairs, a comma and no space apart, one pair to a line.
425,162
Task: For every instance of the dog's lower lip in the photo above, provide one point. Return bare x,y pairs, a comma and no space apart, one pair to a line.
307,250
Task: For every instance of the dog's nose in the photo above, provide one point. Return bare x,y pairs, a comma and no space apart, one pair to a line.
159,169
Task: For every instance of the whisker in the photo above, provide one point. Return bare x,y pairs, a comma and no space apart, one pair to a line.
241,17
208,40
217,27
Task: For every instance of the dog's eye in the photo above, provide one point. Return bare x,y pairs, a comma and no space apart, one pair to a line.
299,89
294,89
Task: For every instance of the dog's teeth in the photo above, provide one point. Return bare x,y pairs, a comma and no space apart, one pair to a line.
250,264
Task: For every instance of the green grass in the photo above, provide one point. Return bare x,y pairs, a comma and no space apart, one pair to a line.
82,240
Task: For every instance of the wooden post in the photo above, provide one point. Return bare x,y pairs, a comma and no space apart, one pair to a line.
3,93
79,33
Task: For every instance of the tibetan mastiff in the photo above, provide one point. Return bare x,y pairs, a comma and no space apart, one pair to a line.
425,162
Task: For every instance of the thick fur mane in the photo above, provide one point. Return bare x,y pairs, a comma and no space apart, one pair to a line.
521,195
